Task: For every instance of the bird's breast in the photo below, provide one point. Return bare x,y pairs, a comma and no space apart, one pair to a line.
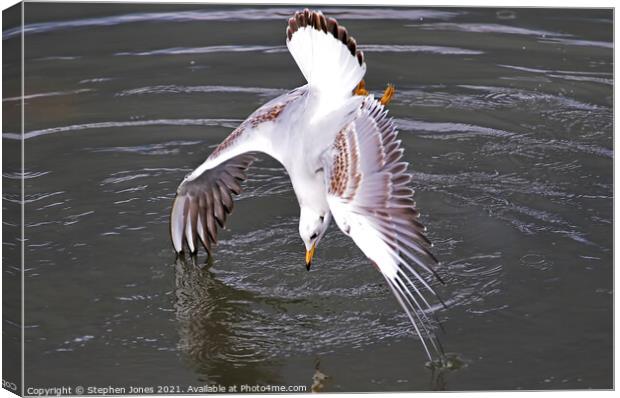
309,187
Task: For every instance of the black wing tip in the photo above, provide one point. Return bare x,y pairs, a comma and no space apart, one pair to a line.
207,237
203,204
316,19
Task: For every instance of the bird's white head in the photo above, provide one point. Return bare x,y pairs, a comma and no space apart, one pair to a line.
312,226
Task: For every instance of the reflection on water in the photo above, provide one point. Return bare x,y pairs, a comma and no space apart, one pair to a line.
506,118
210,318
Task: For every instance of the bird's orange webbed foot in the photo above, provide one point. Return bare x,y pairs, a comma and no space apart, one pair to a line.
385,98
361,89
387,94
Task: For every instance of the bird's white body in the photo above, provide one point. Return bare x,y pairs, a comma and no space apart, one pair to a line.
297,139
342,155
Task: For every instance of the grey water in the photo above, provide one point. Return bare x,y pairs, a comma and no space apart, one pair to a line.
506,119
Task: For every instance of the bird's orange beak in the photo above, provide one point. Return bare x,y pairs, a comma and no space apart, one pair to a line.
309,255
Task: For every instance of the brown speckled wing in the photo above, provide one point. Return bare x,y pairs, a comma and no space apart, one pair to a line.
369,195
205,202
365,170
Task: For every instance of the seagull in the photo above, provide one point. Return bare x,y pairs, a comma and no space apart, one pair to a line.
341,152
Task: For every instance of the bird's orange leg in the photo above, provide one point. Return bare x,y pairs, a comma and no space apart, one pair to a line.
361,88
387,94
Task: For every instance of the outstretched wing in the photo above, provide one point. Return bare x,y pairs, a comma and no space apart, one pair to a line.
326,54
205,201
369,197
205,196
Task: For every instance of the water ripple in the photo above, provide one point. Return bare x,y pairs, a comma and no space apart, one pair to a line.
597,77
258,14
419,49
474,279
419,126
17,175
164,148
488,28
221,319
583,43
506,96
176,89
204,50
48,94
500,196
449,131
442,50
230,123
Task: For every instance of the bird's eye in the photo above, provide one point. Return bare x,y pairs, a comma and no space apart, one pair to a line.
313,237
322,218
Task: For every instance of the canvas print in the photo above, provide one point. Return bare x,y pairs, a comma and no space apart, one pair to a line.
213,198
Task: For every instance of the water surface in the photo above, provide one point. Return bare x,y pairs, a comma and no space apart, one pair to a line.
505,115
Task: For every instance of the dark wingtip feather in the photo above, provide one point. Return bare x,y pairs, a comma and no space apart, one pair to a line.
323,23
360,57
332,26
205,202
318,21
352,45
343,35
